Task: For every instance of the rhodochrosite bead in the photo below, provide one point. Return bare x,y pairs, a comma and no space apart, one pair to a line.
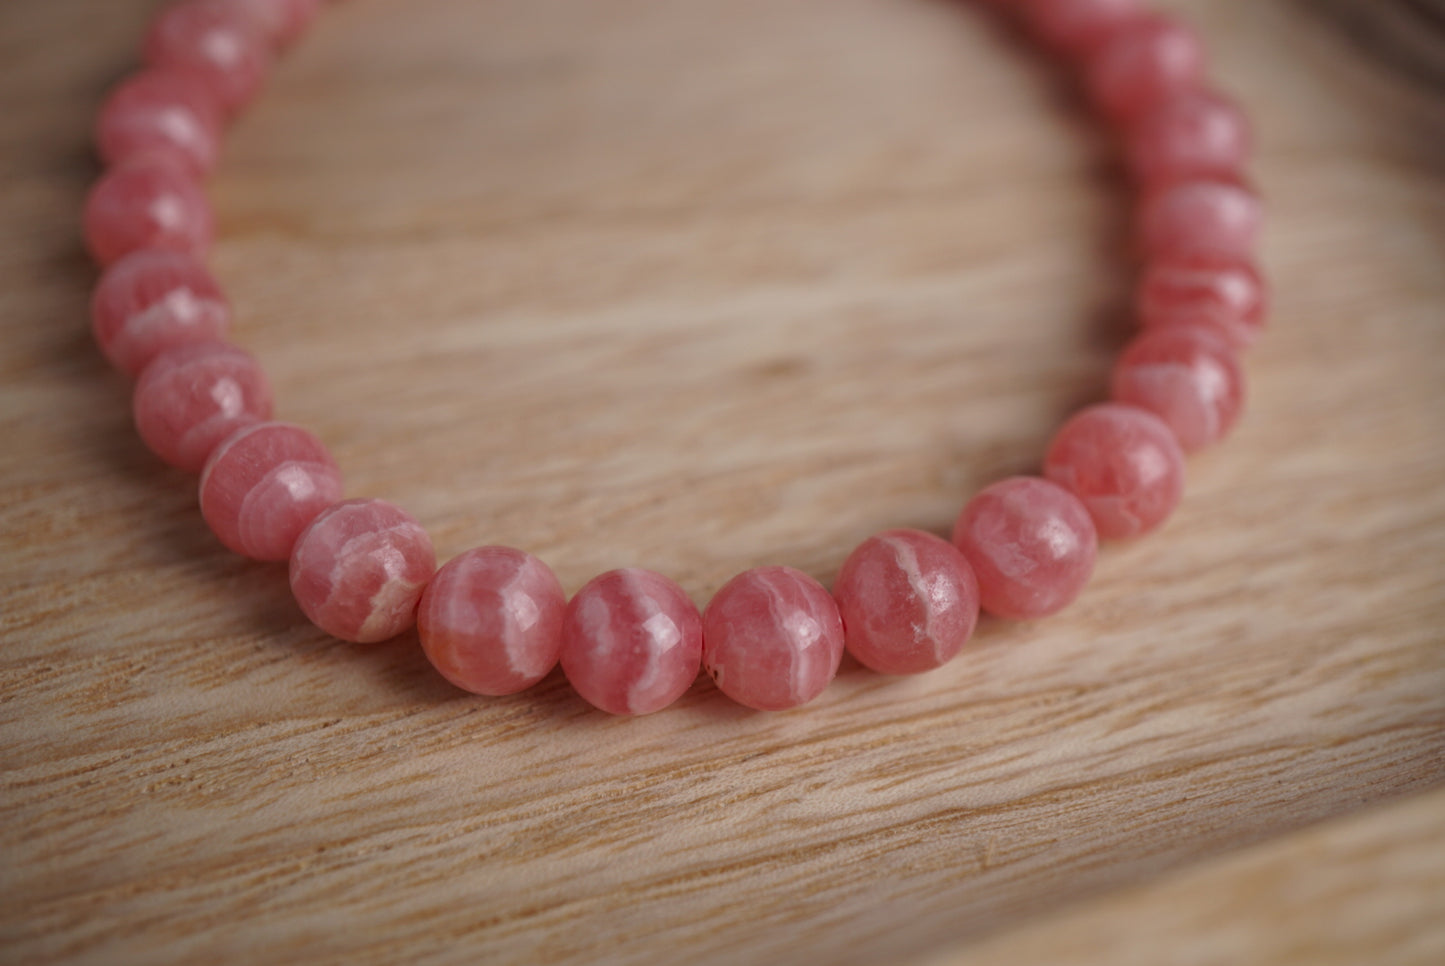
194,396
1031,544
1190,135
281,22
491,620
263,485
632,642
160,112
909,602
225,51
1124,463
1188,377
772,638
358,570
1221,292
1142,64
154,300
1077,26
149,202
1216,218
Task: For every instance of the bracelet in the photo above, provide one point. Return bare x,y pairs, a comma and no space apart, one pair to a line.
495,620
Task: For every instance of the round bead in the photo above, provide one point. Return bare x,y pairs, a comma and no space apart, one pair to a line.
632,642
491,621
1215,218
153,300
1124,463
226,52
281,22
263,485
1188,377
191,398
909,602
1193,134
1221,292
358,570
772,638
1032,546
147,203
1077,27
162,112
1142,64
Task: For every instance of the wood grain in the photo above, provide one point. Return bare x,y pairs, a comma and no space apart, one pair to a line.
698,286
1352,891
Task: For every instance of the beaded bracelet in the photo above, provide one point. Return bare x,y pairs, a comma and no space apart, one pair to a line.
495,620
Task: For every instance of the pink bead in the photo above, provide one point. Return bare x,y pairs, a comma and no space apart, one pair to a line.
281,22
1188,377
263,485
909,602
491,621
1077,27
1194,134
164,112
192,397
772,638
1141,65
632,642
359,569
147,203
226,52
1218,218
153,300
1031,544
1124,463
1224,293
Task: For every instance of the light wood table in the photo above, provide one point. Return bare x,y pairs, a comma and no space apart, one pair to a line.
698,286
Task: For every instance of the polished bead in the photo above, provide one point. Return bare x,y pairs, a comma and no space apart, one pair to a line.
1224,293
192,397
225,51
1187,376
632,642
1211,217
359,569
1077,27
153,300
909,602
1124,463
281,22
772,638
150,202
1192,134
1142,64
263,485
161,112
1032,546
491,620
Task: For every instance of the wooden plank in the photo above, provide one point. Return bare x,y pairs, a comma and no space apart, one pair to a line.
699,286
1364,889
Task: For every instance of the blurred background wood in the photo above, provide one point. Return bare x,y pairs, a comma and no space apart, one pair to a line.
698,286
1361,889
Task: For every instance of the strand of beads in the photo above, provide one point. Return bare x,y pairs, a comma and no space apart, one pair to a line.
495,620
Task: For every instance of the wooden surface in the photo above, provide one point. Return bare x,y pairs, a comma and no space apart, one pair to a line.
1364,889
697,286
